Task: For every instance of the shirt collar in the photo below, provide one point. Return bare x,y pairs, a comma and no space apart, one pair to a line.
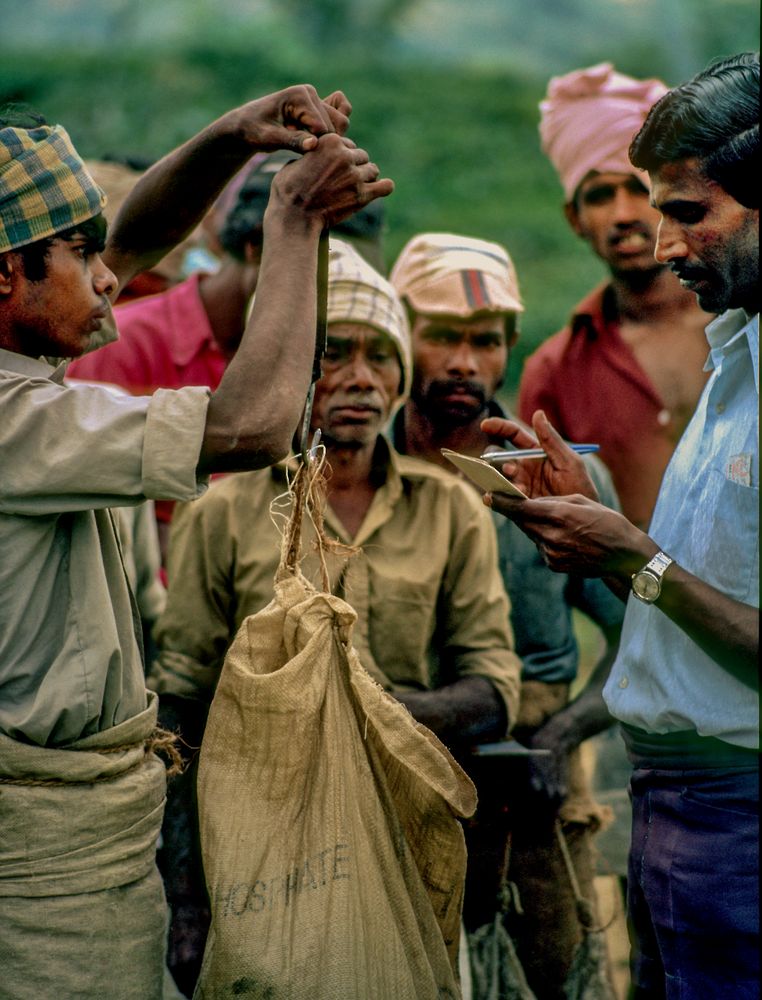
730,332
389,486
386,467
20,364
595,312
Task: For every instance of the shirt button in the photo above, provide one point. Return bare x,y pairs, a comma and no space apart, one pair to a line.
720,408
663,418
624,682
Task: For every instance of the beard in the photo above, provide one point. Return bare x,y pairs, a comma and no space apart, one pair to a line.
450,402
710,290
349,439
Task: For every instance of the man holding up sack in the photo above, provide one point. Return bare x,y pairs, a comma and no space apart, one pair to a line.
82,791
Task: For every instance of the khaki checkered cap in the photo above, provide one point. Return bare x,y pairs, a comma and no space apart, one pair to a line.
449,275
358,294
44,186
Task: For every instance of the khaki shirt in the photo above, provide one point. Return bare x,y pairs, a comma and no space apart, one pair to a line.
70,658
426,587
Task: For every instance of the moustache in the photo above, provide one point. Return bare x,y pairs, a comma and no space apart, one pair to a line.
687,272
450,387
371,400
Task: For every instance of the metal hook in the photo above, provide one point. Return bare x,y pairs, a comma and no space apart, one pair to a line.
320,342
312,453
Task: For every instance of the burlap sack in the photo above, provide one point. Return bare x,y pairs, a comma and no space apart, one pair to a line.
333,857
82,910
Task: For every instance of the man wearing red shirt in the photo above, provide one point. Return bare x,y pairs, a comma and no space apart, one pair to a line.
628,369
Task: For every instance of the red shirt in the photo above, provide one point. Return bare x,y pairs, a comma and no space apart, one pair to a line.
165,342
592,388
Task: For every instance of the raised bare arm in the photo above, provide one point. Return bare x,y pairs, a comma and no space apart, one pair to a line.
254,412
173,196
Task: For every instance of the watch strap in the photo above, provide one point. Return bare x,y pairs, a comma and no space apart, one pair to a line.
654,571
659,564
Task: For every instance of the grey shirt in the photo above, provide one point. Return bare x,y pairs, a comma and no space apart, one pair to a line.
70,656
541,600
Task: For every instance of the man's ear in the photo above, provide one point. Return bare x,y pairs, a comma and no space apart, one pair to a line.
572,217
8,272
253,253
251,266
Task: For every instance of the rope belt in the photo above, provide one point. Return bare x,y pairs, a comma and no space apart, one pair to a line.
161,741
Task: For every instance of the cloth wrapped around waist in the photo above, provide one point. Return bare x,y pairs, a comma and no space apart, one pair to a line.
84,818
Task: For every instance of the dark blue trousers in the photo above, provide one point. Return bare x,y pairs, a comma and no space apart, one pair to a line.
693,890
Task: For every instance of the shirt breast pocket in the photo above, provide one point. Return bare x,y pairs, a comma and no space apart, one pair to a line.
401,623
725,547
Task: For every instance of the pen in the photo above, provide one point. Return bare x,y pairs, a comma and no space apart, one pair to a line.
509,456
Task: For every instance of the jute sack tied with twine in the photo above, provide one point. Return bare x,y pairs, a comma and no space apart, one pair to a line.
333,856
82,909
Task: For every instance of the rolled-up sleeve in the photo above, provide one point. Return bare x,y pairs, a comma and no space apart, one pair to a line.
90,447
174,431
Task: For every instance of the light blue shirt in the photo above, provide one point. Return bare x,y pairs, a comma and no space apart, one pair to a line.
707,520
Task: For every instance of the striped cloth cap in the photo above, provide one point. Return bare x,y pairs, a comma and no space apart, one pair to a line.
448,275
44,186
358,294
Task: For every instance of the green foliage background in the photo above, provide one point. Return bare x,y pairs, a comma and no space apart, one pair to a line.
457,134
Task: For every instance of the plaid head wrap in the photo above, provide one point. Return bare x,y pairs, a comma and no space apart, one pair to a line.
441,274
44,186
358,294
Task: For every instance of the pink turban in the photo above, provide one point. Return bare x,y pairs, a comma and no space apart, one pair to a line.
589,118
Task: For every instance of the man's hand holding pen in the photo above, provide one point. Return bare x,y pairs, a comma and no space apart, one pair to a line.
574,533
559,472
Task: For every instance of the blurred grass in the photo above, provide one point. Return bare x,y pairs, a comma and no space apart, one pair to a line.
460,142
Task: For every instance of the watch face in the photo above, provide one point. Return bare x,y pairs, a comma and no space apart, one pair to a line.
646,586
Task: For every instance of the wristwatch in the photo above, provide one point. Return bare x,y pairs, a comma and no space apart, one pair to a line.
646,583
